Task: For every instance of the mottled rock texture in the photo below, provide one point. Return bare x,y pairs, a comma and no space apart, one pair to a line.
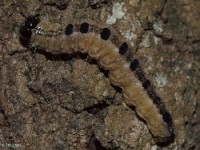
67,102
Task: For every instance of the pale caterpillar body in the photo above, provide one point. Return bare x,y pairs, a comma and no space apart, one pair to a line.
112,53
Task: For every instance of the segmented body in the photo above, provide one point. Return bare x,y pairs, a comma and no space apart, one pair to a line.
112,53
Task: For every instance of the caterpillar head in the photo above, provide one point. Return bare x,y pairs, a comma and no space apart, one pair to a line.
25,30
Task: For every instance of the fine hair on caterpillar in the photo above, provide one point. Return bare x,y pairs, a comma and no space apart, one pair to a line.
112,53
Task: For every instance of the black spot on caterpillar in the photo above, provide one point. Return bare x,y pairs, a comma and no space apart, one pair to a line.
134,64
123,48
105,33
112,53
84,27
69,29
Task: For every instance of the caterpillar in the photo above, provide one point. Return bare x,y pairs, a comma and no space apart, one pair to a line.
112,53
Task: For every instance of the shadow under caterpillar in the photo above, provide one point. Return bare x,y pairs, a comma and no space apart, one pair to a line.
112,53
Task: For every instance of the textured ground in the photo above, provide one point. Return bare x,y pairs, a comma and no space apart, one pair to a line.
49,102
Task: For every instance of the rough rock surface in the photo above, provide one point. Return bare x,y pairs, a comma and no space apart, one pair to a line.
61,102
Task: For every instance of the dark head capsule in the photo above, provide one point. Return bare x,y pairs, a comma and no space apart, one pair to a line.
25,30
